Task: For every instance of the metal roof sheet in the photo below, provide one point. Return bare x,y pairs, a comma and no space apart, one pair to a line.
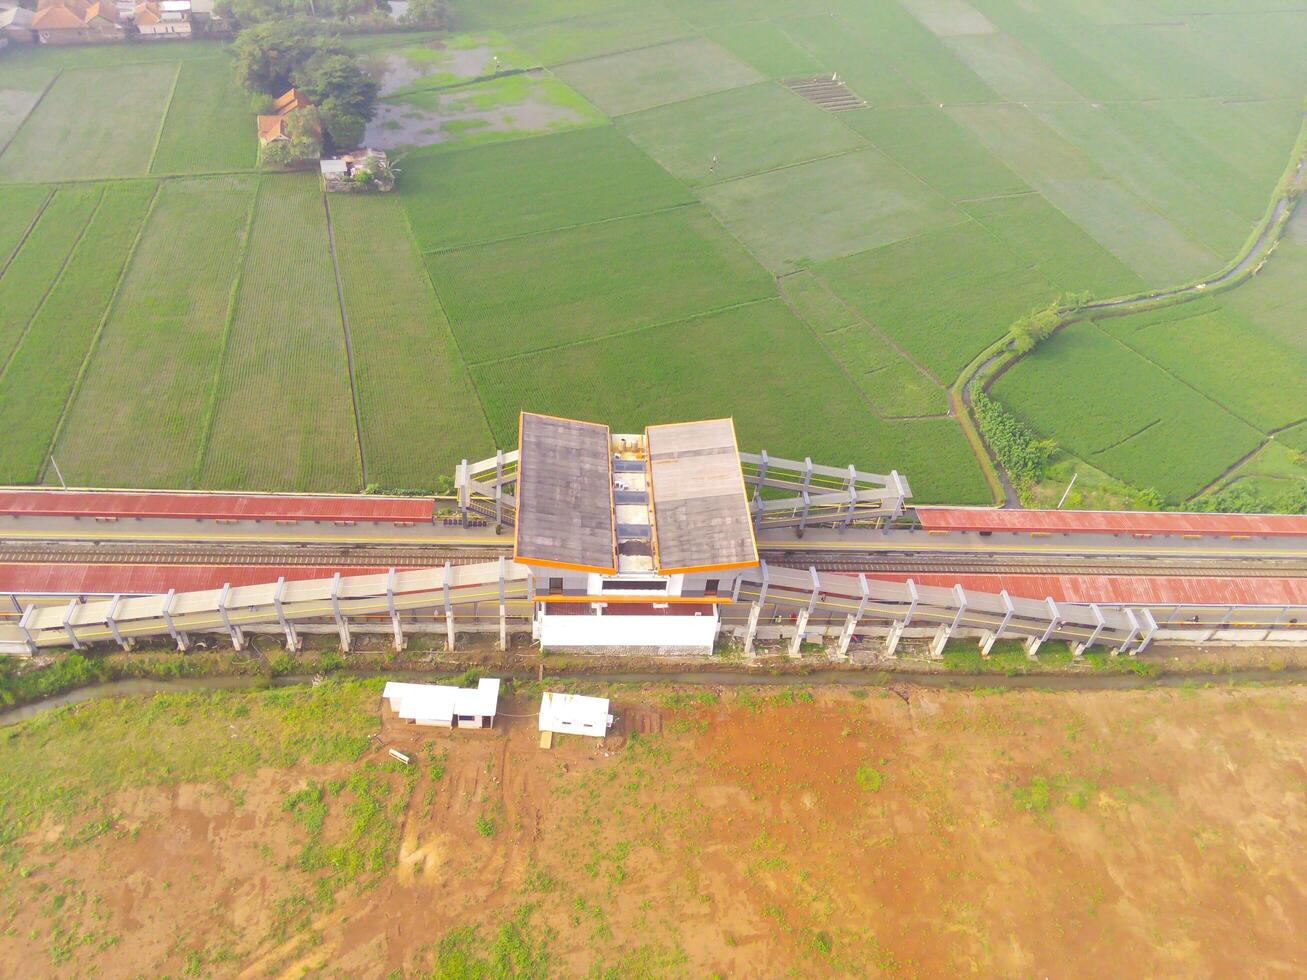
565,494
215,506
1143,590
701,515
1108,522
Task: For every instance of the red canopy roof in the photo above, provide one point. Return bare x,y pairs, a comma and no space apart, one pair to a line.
1108,522
65,578
1143,590
215,506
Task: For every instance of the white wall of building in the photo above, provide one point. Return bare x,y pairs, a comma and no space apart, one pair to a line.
645,631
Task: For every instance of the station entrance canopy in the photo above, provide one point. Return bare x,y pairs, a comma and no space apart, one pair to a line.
578,486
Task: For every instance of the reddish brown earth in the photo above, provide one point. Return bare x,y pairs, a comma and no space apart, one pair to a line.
1025,834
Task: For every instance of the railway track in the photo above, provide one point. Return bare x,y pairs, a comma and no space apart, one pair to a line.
419,556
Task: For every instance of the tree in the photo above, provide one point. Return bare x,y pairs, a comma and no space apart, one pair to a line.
428,13
1034,327
269,55
346,93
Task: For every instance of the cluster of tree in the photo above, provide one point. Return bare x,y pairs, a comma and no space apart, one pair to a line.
426,13
1242,499
304,127
273,57
1025,457
1027,332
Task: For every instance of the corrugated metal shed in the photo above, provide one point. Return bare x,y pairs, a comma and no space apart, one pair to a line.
1108,522
215,506
700,511
565,495
1162,590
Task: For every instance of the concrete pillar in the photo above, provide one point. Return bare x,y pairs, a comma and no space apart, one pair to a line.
1078,650
851,624
1150,627
464,492
394,615
756,611
13,601
1130,637
988,638
499,489
892,640
23,624
946,631
237,636
68,628
292,637
803,514
756,504
449,613
801,623
901,492
182,640
342,624
503,606
1035,642
112,622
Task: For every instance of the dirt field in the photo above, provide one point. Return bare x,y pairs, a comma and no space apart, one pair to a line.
745,834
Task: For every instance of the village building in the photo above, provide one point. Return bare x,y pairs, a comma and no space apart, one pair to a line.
76,22
574,714
346,173
163,19
16,25
441,706
273,126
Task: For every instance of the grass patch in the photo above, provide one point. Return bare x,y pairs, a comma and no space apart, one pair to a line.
492,192
84,128
150,374
286,326
209,126
18,207
402,343
35,385
546,290
623,28
869,778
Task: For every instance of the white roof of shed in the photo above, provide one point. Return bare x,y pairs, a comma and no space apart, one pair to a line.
567,713
334,167
438,702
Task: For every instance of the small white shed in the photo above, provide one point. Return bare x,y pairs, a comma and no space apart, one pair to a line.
574,714
440,706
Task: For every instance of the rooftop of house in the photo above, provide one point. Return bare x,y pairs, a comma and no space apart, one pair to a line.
289,101
272,128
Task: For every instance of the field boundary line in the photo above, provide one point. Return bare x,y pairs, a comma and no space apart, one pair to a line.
233,299
76,386
450,335
839,362
443,250
54,284
31,112
1124,439
627,332
349,344
18,247
163,119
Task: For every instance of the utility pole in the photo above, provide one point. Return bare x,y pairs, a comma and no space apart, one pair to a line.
1068,489
57,473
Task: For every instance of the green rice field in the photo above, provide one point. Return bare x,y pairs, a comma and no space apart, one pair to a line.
627,212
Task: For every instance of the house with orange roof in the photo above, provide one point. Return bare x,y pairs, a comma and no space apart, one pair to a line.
166,19
76,22
290,101
272,126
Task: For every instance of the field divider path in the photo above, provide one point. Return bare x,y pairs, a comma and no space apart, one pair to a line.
54,284
349,344
95,338
4,266
163,118
999,357
233,298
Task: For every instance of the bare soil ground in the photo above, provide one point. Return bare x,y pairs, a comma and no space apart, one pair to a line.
744,833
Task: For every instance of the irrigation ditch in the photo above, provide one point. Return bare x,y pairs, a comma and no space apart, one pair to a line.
999,357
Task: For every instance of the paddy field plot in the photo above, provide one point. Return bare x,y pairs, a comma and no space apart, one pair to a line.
828,208
282,410
648,77
681,370
419,413
208,126
845,50
483,194
943,296
738,132
85,128
548,290
449,60
1112,407
19,207
623,28
764,46
36,380
140,413
38,264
